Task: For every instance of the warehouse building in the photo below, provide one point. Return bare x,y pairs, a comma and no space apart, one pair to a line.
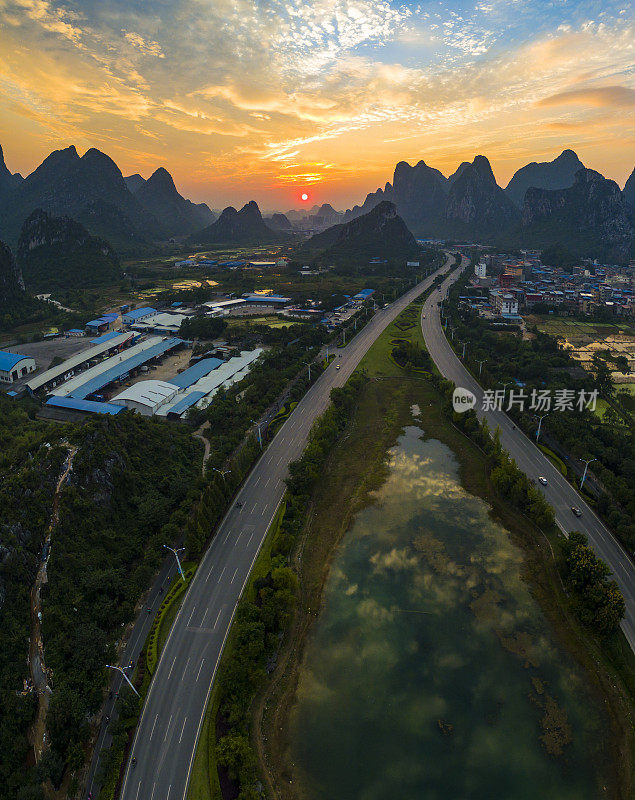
79,362
116,369
14,366
137,314
146,397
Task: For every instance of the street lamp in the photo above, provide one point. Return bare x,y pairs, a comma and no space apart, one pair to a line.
258,424
540,419
222,472
480,363
178,560
464,346
119,669
586,467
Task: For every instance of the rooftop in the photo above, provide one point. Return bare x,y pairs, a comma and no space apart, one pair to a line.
9,360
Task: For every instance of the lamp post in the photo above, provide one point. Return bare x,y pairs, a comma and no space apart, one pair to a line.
119,669
540,419
178,560
222,472
586,467
258,424
464,346
480,363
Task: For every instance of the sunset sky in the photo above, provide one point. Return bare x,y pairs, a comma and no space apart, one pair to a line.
244,100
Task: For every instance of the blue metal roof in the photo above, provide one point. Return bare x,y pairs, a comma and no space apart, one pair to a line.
9,360
95,323
267,298
105,337
186,402
364,294
195,373
123,368
84,405
137,313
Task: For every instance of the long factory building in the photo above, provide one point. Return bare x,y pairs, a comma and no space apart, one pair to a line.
171,398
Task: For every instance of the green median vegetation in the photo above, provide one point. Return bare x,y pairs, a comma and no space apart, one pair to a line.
166,614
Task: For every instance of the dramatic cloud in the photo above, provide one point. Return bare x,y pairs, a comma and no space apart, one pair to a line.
241,99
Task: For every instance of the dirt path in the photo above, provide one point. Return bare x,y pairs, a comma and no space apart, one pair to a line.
39,675
198,434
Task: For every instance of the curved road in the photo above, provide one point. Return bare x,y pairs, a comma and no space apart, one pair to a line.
168,731
559,492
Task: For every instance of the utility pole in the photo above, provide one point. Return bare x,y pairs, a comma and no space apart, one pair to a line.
480,365
586,467
258,424
119,669
540,419
308,363
178,560
464,346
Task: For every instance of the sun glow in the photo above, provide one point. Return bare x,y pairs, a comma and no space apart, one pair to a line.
305,196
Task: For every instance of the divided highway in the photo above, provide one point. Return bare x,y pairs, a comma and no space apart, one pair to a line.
559,492
170,724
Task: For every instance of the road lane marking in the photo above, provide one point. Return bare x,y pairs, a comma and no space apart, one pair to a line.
172,667
222,573
234,575
168,794
191,615
217,616
185,670
167,729
156,717
138,787
182,729
200,668
154,786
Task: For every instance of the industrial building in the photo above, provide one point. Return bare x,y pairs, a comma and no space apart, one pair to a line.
166,324
14,366
137,314
117,368
52,377
146,397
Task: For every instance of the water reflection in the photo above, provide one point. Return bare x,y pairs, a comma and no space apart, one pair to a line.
432,673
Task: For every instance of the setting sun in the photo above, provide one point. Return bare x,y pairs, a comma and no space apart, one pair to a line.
305,196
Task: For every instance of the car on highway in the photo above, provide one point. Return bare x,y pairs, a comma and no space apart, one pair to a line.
337,366
576,511
542,480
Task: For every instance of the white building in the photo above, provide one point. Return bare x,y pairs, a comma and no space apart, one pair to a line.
14,366
146,397
481,269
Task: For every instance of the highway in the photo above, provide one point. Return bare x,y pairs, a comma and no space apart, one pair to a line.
165,741
559,492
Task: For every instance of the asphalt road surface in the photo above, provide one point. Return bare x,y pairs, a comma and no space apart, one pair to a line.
168,731
558,491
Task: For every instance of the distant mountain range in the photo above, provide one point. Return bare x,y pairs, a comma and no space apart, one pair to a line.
239,227
132,214
555,202
59,253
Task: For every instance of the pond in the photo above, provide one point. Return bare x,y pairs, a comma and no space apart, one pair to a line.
432,672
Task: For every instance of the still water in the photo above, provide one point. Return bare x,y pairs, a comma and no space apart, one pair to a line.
431,673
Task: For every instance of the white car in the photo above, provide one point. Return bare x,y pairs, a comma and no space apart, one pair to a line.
542,480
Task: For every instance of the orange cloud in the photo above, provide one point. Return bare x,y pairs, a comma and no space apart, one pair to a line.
598,97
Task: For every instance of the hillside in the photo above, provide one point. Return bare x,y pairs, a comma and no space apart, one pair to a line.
66,185
380,233
589,218
11,280
238,227
58,253
477,208
159,196
557,174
